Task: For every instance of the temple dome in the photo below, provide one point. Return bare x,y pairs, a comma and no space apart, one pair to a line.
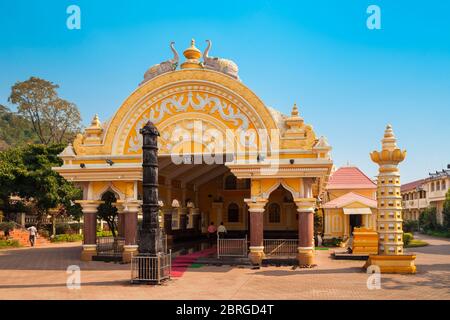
192,55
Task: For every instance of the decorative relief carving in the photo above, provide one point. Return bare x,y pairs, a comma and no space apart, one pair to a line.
192,101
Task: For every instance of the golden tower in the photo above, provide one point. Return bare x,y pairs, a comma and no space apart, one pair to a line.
391,257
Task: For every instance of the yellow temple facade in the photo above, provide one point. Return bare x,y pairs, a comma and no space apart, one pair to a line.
349,202
224,156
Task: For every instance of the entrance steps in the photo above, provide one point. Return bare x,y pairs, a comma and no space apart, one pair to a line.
23,236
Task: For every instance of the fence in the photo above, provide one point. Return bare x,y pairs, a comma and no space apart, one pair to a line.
45,220
151,269
285,248
232,247
110,246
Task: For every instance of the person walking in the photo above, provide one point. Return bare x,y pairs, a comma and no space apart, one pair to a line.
33,233
221,231
211,232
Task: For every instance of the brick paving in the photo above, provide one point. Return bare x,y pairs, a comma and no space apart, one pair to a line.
40,273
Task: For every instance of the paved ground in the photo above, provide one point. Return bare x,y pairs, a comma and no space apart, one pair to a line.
40,273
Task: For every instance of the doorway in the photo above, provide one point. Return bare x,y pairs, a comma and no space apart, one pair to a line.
355,221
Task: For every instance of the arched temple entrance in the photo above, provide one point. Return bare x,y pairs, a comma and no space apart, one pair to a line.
222,154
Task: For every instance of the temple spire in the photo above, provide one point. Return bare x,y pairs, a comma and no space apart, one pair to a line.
192,55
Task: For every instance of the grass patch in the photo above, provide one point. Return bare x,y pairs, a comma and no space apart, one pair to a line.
4,244
415,243
67,238
436,233
321,248
196,265
104,234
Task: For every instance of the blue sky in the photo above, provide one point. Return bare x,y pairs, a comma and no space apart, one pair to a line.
348,81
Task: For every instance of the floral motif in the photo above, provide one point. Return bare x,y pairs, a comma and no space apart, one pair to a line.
175,104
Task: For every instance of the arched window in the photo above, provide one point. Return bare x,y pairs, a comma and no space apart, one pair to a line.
230,182
233,212
274,213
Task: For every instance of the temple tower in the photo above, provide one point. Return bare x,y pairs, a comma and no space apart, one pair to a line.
388,195
391,257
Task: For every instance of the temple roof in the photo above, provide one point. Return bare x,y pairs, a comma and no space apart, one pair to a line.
411,185
349,198
350,178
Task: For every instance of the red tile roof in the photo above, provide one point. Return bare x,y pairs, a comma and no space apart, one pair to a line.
350,178
349,198
411,185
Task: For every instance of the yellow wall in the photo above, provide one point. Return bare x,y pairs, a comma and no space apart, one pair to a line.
337,224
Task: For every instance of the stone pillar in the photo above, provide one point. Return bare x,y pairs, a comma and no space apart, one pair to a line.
150,234
22,218
217,207
305,247
196,220
256,210
120,218
168,224
183,218
305,209
89,208
390,258
130,213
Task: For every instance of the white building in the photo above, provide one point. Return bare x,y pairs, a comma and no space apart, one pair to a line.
429,192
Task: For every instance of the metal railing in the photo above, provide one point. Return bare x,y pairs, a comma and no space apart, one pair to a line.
232,247
151,269
110,246
285,248
45,220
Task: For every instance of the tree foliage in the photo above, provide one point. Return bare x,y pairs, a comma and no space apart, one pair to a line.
26,172
107,212
428,219
15,130
446,210
54,120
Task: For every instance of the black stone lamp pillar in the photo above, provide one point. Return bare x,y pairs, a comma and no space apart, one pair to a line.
151,237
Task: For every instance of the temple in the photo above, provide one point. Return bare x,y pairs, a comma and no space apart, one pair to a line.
224,156
350,201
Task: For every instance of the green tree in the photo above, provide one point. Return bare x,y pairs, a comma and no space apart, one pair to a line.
54,120
107,212
15,130
11,169
428,219
27,172
446,210
318,222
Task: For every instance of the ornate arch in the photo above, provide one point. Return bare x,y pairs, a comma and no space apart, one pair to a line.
218,99
276,184
110,187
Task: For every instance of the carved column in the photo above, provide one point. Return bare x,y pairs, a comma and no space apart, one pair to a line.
89,208
151,237
256,210
391,258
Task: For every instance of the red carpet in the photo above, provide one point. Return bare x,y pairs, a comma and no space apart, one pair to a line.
181,263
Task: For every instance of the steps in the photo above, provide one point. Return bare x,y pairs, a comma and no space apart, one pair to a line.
23,237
